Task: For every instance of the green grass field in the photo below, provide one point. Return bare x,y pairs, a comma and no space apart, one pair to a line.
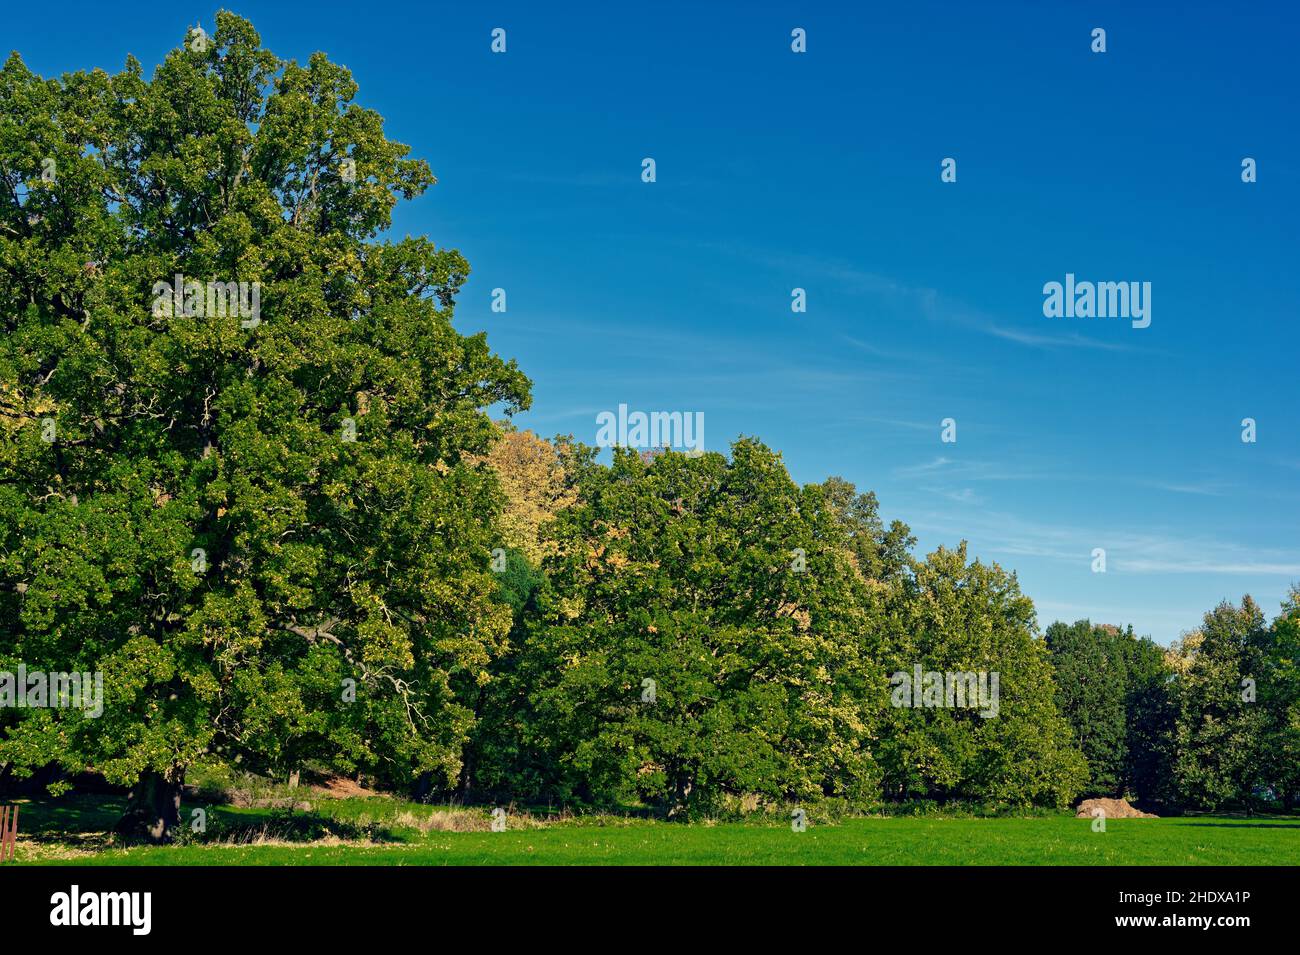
74,830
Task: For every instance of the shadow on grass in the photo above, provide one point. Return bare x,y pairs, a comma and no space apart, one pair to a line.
86,821
226,825
1247,825
72,820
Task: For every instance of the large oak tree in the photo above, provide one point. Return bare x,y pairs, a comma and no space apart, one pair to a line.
197,522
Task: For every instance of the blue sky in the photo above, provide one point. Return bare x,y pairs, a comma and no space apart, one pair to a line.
821,171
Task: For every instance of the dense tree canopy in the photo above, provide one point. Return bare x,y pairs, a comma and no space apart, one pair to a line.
1092,683
1219,720
960,616
232,516
1209,723
709,631
1279,693
698,637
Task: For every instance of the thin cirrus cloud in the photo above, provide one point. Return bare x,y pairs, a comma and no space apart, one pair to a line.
1127,552
965,495
930,303
910,470
950,469
1202,488
1053,342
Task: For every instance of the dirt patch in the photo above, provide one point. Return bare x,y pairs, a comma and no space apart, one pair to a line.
340,787
247,799
1112,808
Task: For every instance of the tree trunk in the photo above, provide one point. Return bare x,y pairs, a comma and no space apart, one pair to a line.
466,781
153,810
681,796
423,788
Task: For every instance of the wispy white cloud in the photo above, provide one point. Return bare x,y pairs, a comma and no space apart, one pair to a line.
889,354
937,464
929,303
1193,566
531,419
1127,551
1203,488
972,470
965,495
1074,340
893,422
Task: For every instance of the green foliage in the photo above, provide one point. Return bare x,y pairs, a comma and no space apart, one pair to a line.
1091,690
878,553
1218,728
326,559
1149,732
1209,724
518,582
1279,695
680,572
770,670
952,616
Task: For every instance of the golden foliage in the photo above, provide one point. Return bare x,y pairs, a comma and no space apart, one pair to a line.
535,486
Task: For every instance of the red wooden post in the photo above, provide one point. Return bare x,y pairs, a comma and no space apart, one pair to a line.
8,832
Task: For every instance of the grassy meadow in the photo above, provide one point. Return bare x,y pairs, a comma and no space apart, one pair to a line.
379,830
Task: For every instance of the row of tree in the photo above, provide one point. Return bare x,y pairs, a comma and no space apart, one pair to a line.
304,542
769,617
704,629
1211,722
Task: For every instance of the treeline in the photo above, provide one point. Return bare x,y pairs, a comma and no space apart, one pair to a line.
701,632
1213,722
